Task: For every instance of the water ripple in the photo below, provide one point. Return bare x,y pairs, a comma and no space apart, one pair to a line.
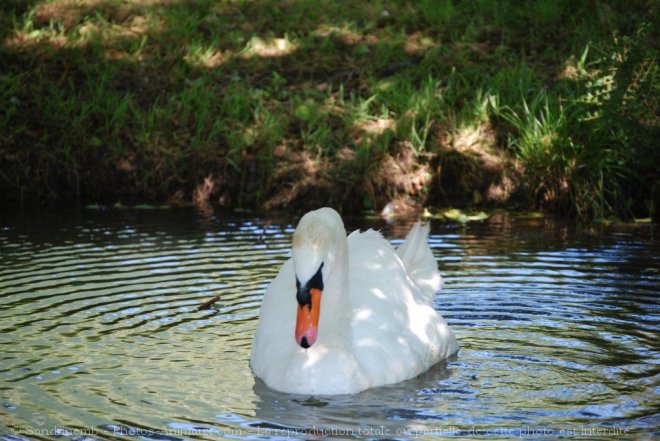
100,330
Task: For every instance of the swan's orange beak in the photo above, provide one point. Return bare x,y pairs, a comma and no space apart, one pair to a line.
307,323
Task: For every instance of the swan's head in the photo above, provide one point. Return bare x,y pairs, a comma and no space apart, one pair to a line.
316,242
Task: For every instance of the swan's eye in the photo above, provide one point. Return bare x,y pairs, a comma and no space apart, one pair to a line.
317,280
303,291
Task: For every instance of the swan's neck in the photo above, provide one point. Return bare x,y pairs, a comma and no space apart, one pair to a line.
336,309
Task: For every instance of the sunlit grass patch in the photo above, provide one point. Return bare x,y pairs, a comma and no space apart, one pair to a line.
271,47
207,56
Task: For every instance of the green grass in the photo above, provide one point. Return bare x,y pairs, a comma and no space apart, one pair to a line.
297,103
561,171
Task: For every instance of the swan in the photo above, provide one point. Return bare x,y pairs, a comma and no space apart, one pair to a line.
346,314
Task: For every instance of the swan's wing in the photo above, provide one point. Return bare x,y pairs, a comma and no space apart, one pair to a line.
397,333
419,261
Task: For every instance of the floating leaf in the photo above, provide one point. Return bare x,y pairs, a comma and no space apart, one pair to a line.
455,214
477,217
529,215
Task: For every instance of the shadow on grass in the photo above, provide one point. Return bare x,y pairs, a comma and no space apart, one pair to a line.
264,103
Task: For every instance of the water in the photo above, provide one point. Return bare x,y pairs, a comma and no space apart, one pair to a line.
101,337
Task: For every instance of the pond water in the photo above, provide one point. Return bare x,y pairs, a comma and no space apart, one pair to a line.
101,336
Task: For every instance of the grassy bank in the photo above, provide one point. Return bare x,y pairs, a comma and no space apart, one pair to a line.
273,104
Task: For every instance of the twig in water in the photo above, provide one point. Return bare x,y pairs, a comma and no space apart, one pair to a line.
207,304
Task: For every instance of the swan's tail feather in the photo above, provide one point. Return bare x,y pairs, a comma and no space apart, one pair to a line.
419,261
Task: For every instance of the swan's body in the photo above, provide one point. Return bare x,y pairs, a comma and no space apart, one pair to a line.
346,314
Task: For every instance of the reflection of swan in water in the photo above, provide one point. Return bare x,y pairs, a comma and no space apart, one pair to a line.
347,314
397,410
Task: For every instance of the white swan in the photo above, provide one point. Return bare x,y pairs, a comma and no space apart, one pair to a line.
346,314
